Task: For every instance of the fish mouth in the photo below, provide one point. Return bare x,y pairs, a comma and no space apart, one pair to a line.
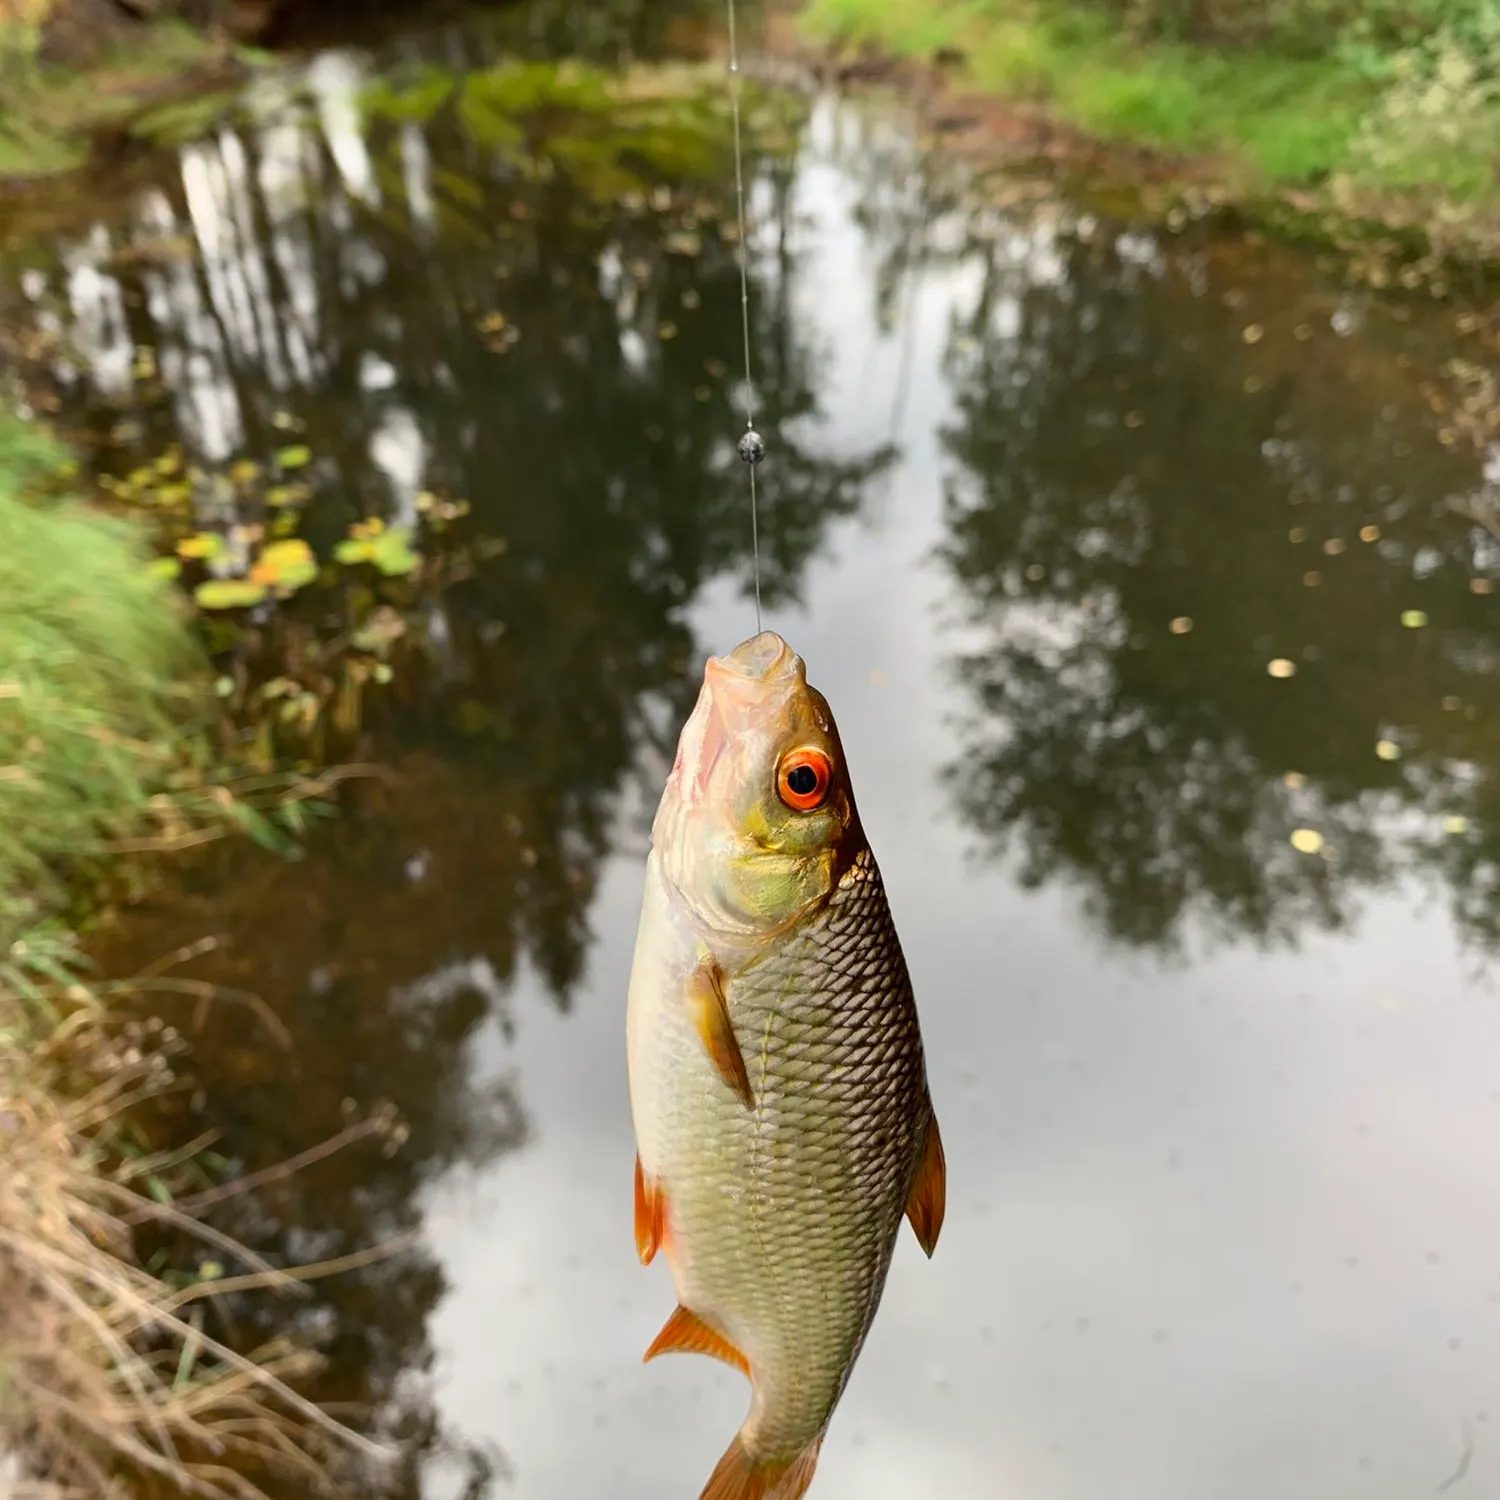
765,660
739,689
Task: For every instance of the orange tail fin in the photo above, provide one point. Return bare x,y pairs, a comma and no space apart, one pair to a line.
741,1477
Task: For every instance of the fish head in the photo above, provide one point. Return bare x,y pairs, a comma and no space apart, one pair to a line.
758,818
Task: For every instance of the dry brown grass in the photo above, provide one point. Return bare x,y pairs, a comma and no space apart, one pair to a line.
107,1371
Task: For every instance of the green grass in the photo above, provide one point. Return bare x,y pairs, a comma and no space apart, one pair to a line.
101,676
91,645
1290,119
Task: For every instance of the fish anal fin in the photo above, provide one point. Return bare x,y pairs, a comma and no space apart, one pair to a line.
650,1215
928,1198
686,1333
710,1009
740,1476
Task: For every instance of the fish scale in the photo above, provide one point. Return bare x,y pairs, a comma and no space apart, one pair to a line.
778,1082
835,1160
832,1162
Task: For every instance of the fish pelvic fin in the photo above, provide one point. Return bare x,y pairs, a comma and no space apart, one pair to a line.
710,1012
650,1215
741,1476
686,1333
928,1199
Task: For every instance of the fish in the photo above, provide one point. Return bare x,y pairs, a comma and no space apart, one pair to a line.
778,1085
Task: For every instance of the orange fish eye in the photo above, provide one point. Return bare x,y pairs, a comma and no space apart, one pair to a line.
803,779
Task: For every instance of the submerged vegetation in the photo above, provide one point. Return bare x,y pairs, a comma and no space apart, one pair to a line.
1380,109
104,744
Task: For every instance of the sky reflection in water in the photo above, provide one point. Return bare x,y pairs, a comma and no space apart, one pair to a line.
1220,1116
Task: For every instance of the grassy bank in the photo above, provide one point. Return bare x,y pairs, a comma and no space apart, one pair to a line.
97,675
104,712
1381,109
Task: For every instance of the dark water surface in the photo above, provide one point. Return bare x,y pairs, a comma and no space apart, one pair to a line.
1048,495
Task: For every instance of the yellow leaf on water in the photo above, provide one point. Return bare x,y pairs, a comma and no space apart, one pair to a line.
1307,840
1413,619
206,544
1388,749
1280,667
286,565
228,593
1455,824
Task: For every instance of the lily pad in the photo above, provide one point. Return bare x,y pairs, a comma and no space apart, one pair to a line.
390,551
172,496
206,544
287,565
229,593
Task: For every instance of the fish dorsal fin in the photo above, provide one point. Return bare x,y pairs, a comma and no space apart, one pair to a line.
650,1215
686,1333
928,1198
710,1010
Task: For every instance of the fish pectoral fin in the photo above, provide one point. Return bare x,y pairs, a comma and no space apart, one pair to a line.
650,1215
710,1008
742,1476
686,1333
927,1201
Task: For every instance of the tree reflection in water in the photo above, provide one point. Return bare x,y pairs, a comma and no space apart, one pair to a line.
1149,430
509,283
1114,477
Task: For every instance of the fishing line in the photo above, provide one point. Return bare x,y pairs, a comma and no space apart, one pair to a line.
752,447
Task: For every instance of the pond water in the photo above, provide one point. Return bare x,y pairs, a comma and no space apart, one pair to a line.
1104,543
